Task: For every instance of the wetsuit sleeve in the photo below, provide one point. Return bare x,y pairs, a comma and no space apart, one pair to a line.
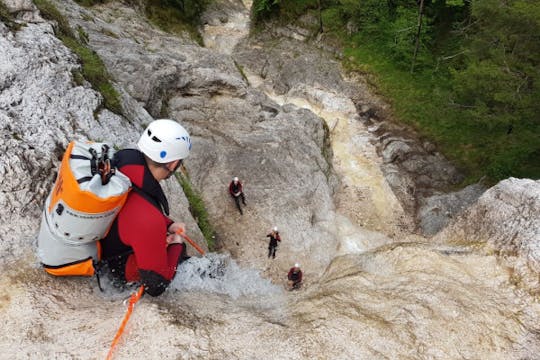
169,222
155,284
144,229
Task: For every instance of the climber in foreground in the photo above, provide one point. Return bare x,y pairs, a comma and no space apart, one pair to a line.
294,277
237,192
142,244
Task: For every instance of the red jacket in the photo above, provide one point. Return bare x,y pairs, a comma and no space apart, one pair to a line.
295,276
136,248
235,188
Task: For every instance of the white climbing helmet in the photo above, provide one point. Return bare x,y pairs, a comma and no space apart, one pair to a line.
297,265
235,179
164,141
275,228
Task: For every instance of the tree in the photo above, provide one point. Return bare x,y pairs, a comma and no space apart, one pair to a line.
419,29
501,79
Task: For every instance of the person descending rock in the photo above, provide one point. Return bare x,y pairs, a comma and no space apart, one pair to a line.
142,244
273,244
294,277
237,192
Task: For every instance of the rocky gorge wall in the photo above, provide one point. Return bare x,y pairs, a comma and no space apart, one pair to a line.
422,299
506,218
293,184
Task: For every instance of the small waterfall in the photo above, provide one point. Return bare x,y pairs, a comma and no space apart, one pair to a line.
219,274
224,36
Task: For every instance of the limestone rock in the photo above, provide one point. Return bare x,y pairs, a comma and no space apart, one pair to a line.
436,211
506,217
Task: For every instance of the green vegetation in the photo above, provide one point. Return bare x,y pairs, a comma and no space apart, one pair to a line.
242,72
89,3
198,210
473,85
93,69
177,16
7,18
173,16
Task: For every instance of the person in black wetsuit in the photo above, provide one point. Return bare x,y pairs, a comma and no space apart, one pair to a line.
237,193
273,244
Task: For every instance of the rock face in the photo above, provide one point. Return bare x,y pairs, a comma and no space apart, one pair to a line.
237,131
436,211
506,217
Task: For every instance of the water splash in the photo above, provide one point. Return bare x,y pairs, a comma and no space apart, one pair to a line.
219,274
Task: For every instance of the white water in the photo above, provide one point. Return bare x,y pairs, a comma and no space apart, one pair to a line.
219,274
224,37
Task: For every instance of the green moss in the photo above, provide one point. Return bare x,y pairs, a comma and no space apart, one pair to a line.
90,3
50,12
241,70
177,16
83,36
77,77
164,110
87,17
7,18
93,69
198,210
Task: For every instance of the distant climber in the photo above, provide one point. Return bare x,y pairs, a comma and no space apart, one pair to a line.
237,192
294,277
273,244
142,244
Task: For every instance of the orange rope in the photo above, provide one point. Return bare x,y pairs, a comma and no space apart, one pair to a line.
132,300
136,296
193,243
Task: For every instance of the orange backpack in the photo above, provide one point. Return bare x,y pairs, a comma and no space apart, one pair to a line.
81,207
